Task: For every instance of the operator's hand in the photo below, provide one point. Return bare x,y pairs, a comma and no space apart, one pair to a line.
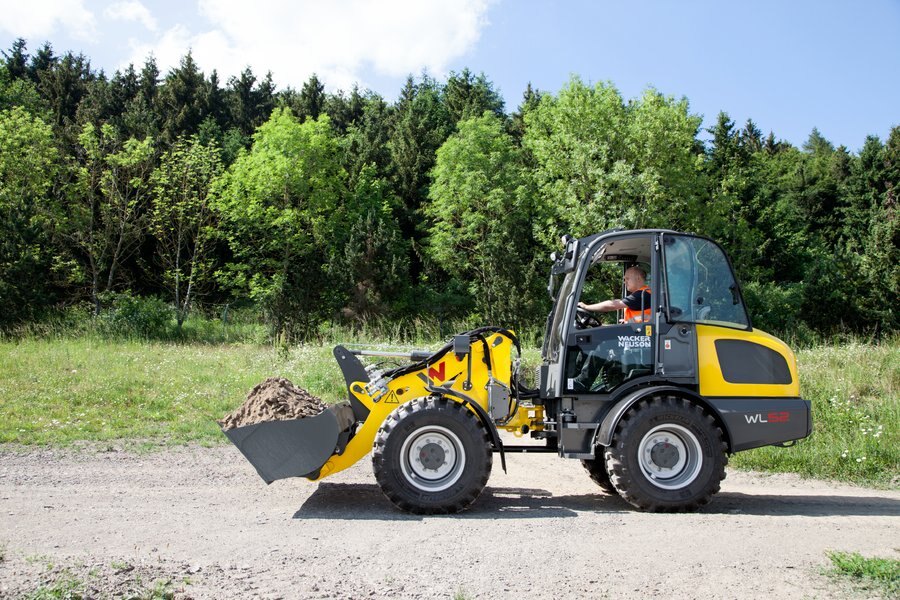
582,305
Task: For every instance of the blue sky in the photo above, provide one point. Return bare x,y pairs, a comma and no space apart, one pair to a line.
789,65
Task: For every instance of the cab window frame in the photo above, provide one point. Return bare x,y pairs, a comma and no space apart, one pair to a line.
687,316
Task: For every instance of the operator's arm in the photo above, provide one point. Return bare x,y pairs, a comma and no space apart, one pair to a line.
605,306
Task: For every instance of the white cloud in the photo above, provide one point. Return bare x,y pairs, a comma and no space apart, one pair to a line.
131,10
41,18
338,39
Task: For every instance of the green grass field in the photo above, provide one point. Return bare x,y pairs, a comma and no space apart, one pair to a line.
63,390
855,394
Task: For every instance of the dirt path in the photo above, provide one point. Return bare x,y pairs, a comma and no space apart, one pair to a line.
541,531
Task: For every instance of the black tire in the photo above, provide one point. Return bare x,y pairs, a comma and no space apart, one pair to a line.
596,470
432,456
667,455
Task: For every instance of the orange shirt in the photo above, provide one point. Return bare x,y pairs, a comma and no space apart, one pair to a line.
637,315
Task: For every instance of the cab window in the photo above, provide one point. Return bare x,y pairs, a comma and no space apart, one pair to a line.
700,284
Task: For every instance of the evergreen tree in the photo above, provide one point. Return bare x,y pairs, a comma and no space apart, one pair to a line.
530,100
469,96
370,260
344,111
182,101
63,86
44,60
250,104
421,124
17,59
311,101
366,141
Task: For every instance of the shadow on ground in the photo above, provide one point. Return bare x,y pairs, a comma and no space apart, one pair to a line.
365,501
806,506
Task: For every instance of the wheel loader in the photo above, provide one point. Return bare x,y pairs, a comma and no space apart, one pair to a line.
652,407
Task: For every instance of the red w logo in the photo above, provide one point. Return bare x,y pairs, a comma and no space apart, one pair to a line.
439,373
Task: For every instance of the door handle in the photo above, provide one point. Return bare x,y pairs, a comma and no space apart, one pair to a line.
582,339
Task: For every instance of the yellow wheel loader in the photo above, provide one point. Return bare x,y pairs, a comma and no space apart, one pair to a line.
652,407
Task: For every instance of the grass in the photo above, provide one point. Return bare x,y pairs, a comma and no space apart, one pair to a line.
76,580
66,588
855,394
878,575
62,391
65,389
71,587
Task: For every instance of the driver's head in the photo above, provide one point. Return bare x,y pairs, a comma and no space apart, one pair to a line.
635,278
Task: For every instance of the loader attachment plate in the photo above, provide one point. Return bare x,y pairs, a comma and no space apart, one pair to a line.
294,448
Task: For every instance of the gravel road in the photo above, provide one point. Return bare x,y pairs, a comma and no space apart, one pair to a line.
202,519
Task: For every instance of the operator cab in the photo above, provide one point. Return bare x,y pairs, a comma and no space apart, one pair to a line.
689,281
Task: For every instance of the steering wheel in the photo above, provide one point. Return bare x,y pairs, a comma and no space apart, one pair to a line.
585,319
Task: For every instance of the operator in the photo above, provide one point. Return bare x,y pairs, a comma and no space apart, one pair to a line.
636,303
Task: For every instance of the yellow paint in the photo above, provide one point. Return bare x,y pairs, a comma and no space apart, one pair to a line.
712,383
411,386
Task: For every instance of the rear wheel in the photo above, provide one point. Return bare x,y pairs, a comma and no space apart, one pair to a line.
596,469
667,454
432,456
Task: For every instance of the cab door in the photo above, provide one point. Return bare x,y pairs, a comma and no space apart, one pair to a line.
602,356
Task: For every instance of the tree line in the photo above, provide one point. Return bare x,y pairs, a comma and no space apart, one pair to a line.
322,207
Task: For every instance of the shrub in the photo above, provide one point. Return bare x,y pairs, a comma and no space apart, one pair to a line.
127,315
775,307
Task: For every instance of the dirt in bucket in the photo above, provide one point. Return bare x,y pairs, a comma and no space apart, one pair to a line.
275,399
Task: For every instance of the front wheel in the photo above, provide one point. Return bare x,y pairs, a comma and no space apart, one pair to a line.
432,456
667,454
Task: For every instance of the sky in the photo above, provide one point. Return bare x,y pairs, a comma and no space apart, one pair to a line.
789,65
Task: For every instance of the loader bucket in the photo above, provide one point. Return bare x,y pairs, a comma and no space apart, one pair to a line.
294,448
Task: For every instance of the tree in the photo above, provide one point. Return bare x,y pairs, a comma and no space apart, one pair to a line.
601,163
530,100
469,96
345,111
727,212
182,100
370,258
278,204
577,138
181,218
665,158
18,92
63,83
311,101
107,208
17,59
250,104
421,124
480,219
366,140
28,159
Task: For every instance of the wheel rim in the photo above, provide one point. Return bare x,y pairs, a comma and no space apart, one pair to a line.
670,456
432,459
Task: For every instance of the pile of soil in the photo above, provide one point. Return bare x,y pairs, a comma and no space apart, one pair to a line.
275,399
